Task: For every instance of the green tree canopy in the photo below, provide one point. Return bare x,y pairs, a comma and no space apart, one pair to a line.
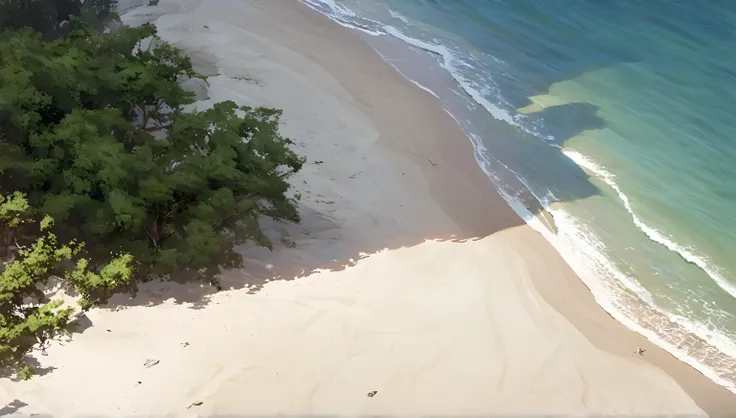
50,17
96,143
93,132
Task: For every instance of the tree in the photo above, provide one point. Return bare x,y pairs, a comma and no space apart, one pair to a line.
50,17
28,318
94,132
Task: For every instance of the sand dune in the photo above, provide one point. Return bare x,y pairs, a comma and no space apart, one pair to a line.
409,276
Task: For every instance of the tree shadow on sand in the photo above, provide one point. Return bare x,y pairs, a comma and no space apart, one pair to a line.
325,241
322,241
12,407
319,242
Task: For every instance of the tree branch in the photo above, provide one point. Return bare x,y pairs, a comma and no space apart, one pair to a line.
173,209
153,240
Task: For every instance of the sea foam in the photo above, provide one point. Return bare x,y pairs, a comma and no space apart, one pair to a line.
342,15
653,234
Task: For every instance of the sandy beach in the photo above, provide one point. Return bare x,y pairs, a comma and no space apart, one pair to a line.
409,276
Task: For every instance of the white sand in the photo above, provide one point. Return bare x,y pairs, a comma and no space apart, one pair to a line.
435,327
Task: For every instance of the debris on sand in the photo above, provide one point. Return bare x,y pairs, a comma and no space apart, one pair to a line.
150,363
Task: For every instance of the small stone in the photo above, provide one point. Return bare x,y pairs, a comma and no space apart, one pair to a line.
372,393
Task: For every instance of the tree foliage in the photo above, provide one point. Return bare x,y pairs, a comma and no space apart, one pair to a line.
99,140
94,132
50,17
13,213
28,318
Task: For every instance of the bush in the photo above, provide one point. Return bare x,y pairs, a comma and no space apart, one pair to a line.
28,318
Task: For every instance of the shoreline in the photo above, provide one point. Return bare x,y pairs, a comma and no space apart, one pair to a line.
539,213
687,376
578,206
445,288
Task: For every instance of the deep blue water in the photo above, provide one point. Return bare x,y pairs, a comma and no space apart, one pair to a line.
609,125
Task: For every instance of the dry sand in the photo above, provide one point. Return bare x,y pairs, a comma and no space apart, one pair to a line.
449,304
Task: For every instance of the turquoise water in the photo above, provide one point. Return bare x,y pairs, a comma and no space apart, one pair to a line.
609,125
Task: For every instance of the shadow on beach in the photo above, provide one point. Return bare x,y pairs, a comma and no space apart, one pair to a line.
330,239
323,242
317,243
519,153
326,241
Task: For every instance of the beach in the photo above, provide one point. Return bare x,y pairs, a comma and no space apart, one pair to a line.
409,288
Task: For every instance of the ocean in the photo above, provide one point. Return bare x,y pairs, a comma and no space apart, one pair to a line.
609,126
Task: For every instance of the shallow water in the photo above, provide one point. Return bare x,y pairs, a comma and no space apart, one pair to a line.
613,118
